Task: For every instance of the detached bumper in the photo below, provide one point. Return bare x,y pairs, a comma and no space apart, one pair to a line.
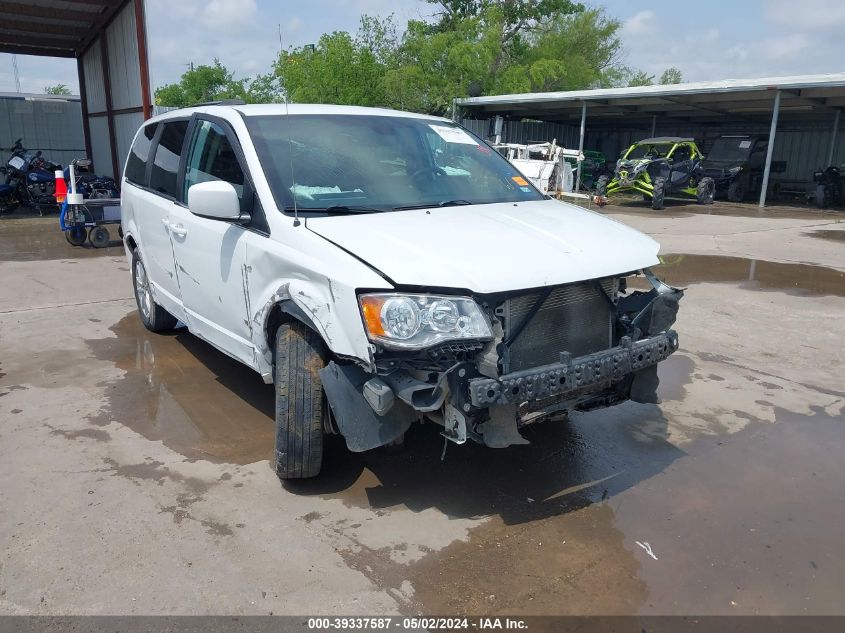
575,376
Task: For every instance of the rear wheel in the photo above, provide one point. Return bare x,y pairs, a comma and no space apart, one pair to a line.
153,316
76,236
705,193
658,194
300,403
99,237
736,191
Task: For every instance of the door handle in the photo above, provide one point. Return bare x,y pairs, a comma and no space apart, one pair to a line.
179,230
166,224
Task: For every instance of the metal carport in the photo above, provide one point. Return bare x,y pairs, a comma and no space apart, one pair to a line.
108,40
803,99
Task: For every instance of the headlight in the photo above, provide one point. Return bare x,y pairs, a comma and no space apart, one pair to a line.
410,321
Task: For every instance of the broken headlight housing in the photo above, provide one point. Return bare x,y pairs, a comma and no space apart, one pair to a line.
417,321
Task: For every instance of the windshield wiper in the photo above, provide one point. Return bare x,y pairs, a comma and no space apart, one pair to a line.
429,205
338,208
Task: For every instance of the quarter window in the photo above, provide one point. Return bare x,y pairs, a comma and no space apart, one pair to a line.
136,165
166,162
212,157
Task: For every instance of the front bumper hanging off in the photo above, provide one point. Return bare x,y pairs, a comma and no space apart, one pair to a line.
574,376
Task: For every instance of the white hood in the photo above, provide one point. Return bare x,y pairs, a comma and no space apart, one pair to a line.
493,247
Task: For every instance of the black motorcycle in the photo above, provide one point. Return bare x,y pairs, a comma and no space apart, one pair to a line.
828,187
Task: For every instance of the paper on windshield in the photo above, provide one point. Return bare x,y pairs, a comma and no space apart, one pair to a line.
744,144
453,134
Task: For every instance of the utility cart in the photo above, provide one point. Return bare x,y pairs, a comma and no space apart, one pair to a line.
86,218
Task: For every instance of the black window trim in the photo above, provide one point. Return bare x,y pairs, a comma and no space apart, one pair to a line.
150,154
154,149
258,224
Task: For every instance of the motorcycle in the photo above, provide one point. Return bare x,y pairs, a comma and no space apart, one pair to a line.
31,181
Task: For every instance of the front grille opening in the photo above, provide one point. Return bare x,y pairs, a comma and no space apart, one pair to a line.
575,318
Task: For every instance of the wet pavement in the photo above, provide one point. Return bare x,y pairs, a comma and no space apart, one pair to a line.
148,455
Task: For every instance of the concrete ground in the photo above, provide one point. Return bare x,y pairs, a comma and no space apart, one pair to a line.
136,477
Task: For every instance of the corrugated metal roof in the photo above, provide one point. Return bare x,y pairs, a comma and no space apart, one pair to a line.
803,96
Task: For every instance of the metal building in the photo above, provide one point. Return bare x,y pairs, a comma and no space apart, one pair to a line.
108,40
801,116
51,124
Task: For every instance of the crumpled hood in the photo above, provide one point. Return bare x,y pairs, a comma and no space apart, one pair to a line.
493,247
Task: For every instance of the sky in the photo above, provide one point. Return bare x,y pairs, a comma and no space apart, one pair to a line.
719,39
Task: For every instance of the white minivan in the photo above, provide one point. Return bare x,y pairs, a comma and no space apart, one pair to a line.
383,268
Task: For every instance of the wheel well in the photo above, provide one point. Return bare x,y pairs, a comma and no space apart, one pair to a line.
279,316
130,242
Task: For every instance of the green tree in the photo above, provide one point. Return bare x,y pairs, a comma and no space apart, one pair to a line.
671,76
641,78
215,82
58,89
341,68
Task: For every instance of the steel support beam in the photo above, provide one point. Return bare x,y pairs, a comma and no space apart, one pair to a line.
581,145
143,65
767,170
653,125
832,151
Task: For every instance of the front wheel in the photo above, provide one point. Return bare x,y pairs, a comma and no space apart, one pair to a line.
300,403
153,316
821,196
601,186
736,191
76,235
99,237
705,193
658,194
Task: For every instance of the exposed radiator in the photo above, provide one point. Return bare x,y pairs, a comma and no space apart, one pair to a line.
575,319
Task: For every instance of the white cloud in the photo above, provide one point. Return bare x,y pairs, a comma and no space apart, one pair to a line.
642,23
810,15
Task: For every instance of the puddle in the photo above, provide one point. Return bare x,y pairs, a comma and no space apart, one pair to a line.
825,234
799,279
183,392
684,208
31,239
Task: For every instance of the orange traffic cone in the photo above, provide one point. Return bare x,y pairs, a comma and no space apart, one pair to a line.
61,187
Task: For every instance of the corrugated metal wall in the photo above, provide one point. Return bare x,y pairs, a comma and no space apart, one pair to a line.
124,73
53,126
804,147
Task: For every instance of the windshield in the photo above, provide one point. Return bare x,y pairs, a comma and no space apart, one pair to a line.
652,150
380,163
733,150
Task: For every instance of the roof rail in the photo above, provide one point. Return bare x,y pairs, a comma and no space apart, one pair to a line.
224,102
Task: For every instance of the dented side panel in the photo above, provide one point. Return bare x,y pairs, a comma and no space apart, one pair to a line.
311,280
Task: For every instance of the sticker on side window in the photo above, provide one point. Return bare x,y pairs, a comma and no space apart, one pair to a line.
453,134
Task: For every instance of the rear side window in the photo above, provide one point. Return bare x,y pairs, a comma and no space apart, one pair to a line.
166,161
136,164
212,157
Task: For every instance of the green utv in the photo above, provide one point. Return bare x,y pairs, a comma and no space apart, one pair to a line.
660,167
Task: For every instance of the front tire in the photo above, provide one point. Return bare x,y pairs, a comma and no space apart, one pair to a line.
705,193
99,237
601,186
76,235
736,191
658,194
153,316
300,404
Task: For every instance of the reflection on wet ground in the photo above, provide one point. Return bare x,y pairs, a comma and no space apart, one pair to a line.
183,392
801,279
30,239
686,208
837,236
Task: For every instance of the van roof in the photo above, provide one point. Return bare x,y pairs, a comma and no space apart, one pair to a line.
280,109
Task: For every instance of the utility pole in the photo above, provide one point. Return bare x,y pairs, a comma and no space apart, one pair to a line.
16,73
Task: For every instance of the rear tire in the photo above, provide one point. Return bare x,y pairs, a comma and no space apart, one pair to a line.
300,403
658,194
99,237
705,193
601,186
736,191
153,316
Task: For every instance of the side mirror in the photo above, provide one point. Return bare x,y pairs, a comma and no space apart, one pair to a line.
216,199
